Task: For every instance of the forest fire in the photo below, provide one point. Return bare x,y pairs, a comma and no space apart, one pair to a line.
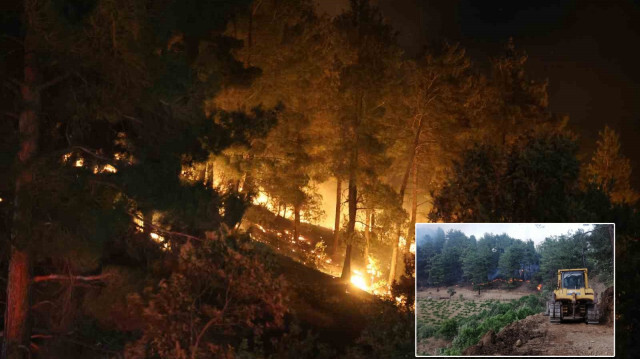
539,287
236,169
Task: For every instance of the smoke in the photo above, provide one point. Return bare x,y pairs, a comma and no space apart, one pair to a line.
328,192
493,275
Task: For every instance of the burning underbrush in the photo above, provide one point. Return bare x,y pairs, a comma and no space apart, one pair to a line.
312,248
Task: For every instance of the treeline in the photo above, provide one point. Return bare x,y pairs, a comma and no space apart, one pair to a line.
448,258
586,249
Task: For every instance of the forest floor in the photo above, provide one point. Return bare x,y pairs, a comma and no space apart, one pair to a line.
336,312
319,300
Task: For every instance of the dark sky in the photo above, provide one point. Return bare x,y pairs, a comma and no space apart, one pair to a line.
589,51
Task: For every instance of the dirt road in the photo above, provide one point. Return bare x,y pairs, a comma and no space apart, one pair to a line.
534,335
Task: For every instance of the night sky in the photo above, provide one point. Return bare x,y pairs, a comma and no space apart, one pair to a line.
589,51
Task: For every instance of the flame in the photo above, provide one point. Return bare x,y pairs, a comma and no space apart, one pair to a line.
358,280
109,168
412,249
539,286
261,199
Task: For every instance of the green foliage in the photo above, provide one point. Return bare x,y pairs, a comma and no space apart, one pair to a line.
473,261
499,315
425,331
448,329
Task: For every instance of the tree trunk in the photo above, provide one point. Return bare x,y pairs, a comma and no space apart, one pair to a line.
250,37
394,259
147,222
367,235
16,326
201,176
411,233
351,224
373,222
336,227
296,222
403,188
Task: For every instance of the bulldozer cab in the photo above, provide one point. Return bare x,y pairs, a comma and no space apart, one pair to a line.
573,280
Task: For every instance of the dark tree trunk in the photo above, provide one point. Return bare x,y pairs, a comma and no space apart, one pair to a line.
147,222
16,320
411,233
351,224
296,222
336,227
367,235
403,188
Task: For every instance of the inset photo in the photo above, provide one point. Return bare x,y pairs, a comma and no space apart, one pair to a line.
515,289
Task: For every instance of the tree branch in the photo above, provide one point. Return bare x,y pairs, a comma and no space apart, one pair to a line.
11,114
88,151
62,277
211,321
14,39
53,82
164,231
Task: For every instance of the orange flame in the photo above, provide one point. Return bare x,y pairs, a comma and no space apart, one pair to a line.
539,286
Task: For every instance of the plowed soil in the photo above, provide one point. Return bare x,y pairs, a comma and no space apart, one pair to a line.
534,335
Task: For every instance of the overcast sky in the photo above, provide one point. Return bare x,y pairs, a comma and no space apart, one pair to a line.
534,231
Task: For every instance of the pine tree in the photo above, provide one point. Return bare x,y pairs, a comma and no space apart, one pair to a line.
610,171
364,82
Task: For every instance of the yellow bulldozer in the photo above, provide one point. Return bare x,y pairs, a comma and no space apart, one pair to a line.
573,299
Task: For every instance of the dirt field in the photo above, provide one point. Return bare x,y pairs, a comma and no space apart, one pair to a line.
534,335
430,346
467,293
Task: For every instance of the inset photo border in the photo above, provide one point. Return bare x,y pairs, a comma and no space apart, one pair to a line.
515,289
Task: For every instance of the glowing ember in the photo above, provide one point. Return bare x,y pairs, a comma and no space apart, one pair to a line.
109,168
539,286
79,162
260,228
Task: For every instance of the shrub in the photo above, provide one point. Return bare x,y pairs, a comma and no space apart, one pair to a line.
426,331
448,329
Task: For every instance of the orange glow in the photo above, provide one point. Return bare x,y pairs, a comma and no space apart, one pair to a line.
539,286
